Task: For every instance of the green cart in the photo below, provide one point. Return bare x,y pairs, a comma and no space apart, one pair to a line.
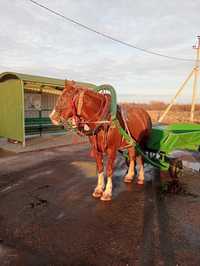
164,140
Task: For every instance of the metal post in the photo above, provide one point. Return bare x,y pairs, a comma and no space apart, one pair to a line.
194,89
40,121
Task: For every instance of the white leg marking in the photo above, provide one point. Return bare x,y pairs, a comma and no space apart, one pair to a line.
98,191
107,194
129,177
141,170
109,186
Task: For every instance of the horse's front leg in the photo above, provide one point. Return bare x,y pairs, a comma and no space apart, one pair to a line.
107,194
98,191
131,170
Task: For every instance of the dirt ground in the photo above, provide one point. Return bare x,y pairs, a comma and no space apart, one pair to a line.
49,218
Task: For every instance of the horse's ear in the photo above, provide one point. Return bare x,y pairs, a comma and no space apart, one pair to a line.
70,82
66,81
70,86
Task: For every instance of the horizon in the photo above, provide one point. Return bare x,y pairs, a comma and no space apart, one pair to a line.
148,98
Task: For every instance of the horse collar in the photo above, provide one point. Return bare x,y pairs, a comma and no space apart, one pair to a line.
80,102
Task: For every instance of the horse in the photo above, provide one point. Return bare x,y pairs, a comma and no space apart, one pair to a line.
89,112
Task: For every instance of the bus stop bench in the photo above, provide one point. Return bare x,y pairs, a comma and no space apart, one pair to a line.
37,125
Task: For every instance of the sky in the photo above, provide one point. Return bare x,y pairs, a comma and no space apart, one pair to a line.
34,41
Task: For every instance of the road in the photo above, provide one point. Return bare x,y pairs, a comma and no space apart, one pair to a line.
49,218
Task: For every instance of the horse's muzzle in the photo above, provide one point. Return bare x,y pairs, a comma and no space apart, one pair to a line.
55,117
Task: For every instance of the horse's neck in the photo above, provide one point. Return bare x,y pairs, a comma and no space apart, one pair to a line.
92,104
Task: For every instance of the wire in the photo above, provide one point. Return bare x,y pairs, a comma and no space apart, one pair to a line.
108,36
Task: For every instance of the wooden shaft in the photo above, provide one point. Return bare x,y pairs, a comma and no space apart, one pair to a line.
194,95
194,89
174,98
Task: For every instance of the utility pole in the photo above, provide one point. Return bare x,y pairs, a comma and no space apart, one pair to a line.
194,72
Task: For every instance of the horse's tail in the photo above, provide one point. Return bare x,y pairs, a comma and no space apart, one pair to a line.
147,131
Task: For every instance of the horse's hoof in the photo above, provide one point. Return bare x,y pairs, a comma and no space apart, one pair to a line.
140,182
106,197
97,193
128,179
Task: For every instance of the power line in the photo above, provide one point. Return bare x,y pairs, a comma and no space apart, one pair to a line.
83,26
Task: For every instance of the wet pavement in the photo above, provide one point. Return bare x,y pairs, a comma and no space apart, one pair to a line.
38,143
48,216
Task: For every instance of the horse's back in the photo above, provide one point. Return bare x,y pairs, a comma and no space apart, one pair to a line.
138,122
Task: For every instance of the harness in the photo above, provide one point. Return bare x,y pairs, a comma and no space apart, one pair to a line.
107,118
103,120
99,119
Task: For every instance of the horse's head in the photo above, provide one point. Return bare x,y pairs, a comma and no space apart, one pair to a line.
63,108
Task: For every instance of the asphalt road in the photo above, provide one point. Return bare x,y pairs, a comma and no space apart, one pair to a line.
49,218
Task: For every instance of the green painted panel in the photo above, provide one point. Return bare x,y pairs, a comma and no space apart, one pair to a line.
174,137
12,110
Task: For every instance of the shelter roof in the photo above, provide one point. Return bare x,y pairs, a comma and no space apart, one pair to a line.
38,79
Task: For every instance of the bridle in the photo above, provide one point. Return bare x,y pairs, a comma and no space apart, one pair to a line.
99,119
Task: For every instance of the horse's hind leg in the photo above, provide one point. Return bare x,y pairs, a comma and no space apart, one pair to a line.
98,191
131,170
140,162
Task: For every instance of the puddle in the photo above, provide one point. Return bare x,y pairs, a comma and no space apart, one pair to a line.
89,168
192,165
190,160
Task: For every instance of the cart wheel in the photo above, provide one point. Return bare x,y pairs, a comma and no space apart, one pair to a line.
176,168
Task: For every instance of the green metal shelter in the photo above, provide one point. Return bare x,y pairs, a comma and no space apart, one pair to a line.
22,97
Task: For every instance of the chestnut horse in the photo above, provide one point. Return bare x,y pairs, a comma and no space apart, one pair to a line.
89,112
